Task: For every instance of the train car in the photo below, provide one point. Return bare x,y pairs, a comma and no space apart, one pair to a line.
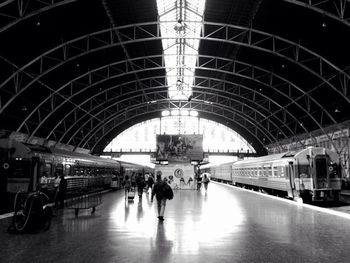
24,165
29,167
311,174
221,173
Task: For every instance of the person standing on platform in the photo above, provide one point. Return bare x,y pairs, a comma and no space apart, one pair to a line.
133,180
127,185
140,182
199,181
62,189
150,182
162,191
205,181
43,183
56,185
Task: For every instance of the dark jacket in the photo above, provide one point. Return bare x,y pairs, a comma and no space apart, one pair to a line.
158,190
63,185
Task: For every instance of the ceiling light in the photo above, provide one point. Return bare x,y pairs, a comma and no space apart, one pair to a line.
179,26
184,112
193,113
175,112
165,113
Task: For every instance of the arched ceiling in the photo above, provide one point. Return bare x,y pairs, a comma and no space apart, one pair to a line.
80,72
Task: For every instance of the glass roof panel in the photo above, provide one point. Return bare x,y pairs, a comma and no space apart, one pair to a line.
180,25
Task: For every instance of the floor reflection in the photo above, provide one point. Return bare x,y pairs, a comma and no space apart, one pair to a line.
161,246
221,225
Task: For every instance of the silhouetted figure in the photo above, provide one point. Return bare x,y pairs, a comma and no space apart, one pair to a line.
150,182
62,189
205,182
140,182
162,191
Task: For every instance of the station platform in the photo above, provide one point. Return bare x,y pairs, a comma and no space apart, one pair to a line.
224,224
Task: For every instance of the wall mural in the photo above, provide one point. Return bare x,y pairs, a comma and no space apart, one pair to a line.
179,176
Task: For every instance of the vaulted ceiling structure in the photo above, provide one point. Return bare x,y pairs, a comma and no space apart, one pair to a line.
79,72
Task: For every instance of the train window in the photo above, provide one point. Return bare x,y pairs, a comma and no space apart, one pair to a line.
304,171
59,169
321,168
275,172
67,169
48,169
269,171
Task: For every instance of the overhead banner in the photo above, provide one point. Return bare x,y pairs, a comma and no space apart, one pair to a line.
179,148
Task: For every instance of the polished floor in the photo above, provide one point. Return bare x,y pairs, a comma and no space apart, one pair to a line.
223,224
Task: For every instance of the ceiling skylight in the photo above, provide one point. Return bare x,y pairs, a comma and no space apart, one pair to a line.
180,25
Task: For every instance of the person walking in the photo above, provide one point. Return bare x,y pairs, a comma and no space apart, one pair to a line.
162,191
150,182
140,182
205,181
56,185
127,186
199,181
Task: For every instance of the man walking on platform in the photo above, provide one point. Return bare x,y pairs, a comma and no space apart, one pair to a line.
162,191
140,182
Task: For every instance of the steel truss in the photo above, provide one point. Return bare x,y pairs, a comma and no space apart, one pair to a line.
95,77
225,98
16,11
336,9
328,73
100,75
96,135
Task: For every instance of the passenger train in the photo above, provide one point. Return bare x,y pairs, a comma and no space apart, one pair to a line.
312,174
22,167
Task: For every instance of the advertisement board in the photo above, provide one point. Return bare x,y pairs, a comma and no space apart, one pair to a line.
179,148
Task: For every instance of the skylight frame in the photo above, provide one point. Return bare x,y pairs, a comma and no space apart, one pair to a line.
182,42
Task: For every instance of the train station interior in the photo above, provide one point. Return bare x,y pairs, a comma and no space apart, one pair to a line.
239,108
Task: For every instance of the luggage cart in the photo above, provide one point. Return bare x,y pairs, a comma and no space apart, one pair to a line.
86,197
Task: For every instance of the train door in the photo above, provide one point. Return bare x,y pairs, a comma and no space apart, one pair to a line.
34,173
4,171
291,176
321,172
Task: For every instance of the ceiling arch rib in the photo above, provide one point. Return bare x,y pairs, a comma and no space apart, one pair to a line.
102,105
338,10
99,145
252,74
145,108
17,11
229,104
53,92
81,90
328,73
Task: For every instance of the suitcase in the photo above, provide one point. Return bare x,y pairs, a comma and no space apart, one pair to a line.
131,194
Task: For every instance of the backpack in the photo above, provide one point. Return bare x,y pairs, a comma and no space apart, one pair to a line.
168,192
